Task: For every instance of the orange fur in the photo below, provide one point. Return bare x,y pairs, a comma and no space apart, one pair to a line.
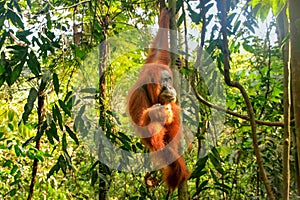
158,125
159,52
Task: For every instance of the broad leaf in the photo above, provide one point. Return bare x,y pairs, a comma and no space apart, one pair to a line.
15,19
64,107
72,134
34,64
62,164
64,142
33,93
216,163
27,142
56,83
200,168
53,131
55,168
57,116
15,74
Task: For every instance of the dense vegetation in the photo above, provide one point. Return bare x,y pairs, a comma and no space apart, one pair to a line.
65,70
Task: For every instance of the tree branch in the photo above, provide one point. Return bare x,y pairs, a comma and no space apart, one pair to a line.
41,116
211,105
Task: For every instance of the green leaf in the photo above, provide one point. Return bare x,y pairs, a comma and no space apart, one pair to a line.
201,188
2,19
72,134
54,113
45,79
216,153
18,150
33,93
49,136
55,168
13,170
249,26
70,102
64,107
34,64
15,19
79,125
236,26
30,155
7,163
276,7
53,131
17,6
203,184
57,116
230,18
28,3
214,176
62,164
49,21
19,53
27,142
124,137
140,146
11,126
39,157
225,188
13,192
94,177
16,73
18,175
248,47
179,4
2,68
195,17
64,142
208,7
264,11
94,165
180,20
2,3
68,159
1,134
68,96
200,168
216,164
2,79
254,3
81,110
89,90
11,114
56,83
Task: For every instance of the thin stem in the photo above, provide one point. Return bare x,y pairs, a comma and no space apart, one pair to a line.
219,108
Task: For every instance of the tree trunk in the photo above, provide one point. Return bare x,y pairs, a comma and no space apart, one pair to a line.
102,91
294,6
282,31
103,53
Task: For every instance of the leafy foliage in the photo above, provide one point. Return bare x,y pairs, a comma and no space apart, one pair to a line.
43,47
